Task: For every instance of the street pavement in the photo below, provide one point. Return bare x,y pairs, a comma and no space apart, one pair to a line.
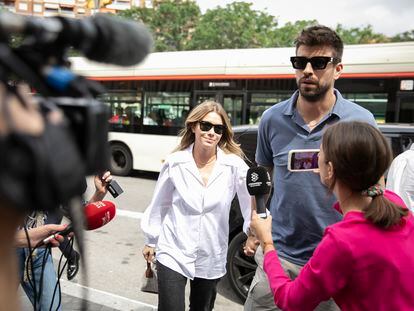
115,264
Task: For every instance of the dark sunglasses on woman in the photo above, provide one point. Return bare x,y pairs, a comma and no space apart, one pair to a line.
317,62
206,126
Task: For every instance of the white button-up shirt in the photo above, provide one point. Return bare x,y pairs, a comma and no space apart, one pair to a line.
400,178
188,221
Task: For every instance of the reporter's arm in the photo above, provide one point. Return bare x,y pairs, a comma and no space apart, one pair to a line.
101,183
263,231
322,277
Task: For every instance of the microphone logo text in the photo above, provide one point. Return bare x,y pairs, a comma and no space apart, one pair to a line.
254,177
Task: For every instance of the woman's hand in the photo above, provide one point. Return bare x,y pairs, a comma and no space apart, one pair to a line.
148,253
262,227
101,182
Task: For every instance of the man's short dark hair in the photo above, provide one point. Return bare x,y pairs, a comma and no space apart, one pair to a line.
320,36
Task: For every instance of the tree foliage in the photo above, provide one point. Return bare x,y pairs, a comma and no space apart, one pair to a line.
404,36
234,26
178,25
286,35
171,22
360,35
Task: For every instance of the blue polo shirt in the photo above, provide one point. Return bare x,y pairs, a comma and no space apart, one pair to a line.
301,206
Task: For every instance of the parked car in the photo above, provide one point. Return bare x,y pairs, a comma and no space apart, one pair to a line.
241,268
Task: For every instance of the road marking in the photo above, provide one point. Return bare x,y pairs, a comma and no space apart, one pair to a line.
103,298
129,214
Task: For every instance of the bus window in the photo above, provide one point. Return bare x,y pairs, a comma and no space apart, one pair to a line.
374,102
125,109
261,101
166,108
200,97
180,120
233,105
406,114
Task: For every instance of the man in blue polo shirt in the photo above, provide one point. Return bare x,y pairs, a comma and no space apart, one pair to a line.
301,206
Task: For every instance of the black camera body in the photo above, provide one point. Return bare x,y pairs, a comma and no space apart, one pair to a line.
88,123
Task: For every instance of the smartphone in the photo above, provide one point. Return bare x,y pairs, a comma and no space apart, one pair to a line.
303,160
114,188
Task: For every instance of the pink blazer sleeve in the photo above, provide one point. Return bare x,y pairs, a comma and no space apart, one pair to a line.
324,275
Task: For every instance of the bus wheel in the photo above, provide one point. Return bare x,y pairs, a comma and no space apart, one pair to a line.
121,160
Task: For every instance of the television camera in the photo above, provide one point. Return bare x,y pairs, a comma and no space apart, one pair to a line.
40,172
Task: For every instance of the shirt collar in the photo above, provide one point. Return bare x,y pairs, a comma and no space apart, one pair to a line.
186,155
338,108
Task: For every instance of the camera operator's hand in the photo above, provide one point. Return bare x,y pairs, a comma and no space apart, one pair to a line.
101,183
39,234
25,119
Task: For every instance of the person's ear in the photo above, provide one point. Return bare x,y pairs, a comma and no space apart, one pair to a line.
330,173
338,70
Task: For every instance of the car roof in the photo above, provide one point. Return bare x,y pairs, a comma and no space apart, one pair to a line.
397,128
388,128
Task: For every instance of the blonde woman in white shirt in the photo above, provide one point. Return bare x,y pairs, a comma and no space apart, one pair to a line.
187,221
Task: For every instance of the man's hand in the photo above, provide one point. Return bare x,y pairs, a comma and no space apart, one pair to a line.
148,253
39,234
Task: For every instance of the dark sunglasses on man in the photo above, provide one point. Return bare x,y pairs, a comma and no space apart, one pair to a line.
317,62
206,126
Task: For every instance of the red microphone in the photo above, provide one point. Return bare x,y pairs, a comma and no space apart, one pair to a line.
97,214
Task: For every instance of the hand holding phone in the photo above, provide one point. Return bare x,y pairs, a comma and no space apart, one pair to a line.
113,187
303,160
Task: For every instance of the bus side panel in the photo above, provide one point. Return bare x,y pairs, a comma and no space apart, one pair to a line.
148,151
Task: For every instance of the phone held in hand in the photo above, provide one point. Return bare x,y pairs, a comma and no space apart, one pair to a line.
303,160
114,188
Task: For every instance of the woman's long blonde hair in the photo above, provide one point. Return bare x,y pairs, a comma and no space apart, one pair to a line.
226,143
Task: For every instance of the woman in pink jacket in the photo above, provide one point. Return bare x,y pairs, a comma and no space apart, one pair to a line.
366,261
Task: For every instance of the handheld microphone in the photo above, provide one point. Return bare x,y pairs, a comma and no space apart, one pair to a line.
101,38
259,184
97,214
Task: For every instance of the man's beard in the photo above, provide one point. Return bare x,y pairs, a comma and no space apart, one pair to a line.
313,94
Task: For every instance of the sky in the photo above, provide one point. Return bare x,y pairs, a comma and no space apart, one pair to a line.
385,16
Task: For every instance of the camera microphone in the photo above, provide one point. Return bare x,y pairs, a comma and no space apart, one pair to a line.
100,38
97,215
259,184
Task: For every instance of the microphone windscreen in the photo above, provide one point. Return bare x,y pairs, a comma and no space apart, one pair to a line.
258,181
98,214
119,42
